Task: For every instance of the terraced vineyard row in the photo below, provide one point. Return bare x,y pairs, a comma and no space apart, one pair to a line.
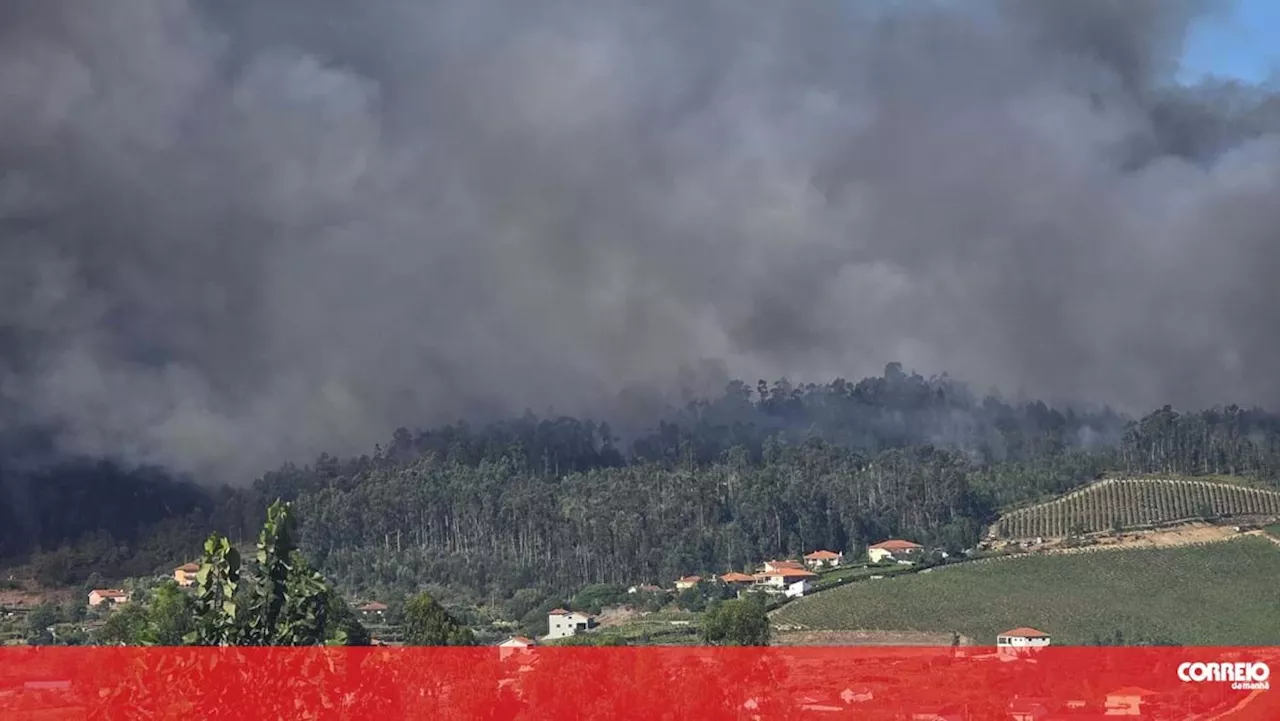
1128,503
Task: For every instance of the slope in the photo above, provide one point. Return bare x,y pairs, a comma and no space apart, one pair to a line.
1217,594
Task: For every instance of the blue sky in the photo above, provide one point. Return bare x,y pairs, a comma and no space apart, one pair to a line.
1243,44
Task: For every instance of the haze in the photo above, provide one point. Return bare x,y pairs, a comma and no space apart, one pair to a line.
236,233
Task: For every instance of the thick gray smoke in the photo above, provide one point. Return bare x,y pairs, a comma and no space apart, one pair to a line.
237,232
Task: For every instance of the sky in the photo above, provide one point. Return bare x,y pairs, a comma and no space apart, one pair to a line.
1243,43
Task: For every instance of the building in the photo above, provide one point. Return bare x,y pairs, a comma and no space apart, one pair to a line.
563,624
781,580
895,550
796,589
515,645
644,588
99,596
782,566
823,559
733,578
688,582
1020,641
185,574
1128,701
373,609
1028,709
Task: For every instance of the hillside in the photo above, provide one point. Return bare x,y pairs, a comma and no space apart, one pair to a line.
1222,593
1117,503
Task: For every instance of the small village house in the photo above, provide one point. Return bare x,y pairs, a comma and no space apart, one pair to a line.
1128,701
733,578
687,582
373,609
1020,641
1027,709
895,549
781,580
770,566
644,588
563,624
515,645
98,596
798,588
823,559
185,574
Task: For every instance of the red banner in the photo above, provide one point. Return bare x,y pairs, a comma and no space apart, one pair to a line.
920,684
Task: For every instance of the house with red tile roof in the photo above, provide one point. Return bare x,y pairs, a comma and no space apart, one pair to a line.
185,574
823,559
782,566
733,577
1020,641
895,549
784,579
563,624
1128,701
101,595
373,608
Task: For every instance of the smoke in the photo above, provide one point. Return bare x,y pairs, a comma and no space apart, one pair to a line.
237,232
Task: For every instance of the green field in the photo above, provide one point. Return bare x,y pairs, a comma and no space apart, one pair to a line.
1224,593
1130,503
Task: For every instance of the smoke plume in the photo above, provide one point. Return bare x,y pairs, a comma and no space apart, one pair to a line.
237,232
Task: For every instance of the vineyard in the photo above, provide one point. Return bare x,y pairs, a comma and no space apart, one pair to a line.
1213,594
1115,504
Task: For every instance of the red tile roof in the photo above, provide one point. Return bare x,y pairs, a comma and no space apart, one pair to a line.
822,556
1025,632
188,567
784,564
559,612
735,577
373,606
109,592
786,573
895,544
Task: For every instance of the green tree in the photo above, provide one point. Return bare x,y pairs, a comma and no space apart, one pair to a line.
287,603
129,625
427,623
736,623
170,616
39,620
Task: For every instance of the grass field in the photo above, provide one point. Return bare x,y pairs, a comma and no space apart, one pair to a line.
1223,593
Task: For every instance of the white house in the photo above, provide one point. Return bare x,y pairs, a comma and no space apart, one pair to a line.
1127,701
823,559
895,549
100,595
687,582
796,589
782,579
770,566
1020,642
563,624
513,645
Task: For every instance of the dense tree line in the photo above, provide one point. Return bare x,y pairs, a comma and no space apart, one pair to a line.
720,483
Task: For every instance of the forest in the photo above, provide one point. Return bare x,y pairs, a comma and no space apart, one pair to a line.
552,504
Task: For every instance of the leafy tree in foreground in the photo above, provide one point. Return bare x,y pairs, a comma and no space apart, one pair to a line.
427,623
740,622
287,603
